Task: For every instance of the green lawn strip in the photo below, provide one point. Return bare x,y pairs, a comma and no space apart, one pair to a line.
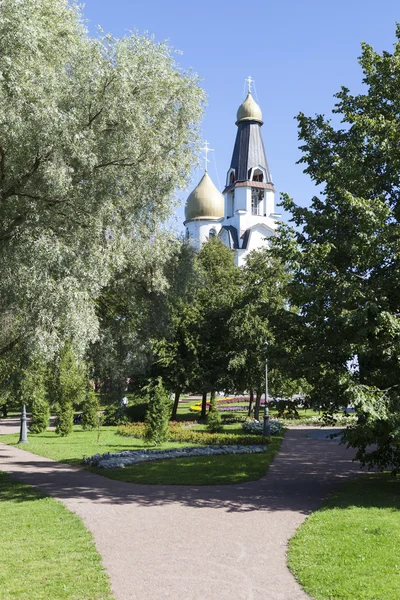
350,548
186,471
199,470
71,449
46,552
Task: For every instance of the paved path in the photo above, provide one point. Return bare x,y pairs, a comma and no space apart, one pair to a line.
197,543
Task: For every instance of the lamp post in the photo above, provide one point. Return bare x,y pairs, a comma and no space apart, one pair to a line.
23,434
266,426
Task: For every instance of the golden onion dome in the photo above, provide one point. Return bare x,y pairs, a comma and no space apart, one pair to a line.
249,111
205,202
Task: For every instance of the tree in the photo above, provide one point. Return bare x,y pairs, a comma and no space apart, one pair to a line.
72,389
219,279
90,410
96,134
158,413
344,255
34,394
175,350
254,325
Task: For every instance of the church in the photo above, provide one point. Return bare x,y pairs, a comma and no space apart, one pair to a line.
243,215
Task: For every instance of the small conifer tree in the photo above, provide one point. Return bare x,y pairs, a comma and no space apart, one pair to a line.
158,414
90,411
33,393
72,386
214,421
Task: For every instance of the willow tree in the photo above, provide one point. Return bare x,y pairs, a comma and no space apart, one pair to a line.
96,134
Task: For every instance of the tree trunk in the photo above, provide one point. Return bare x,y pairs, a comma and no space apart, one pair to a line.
204,406
257,406
213,402
176,402
250,403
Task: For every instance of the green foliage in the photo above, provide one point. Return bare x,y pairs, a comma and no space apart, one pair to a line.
177,433
114,414
90,411
214,302
158,413
34,394
343,254
214,420
72,385
96,135
376,434
136,411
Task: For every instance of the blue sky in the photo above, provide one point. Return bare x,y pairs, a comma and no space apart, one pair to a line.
298,52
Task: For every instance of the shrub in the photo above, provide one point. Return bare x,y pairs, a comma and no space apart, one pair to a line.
137,411
114,414
178,433
157,415
33,391
72,384
90,411
214,422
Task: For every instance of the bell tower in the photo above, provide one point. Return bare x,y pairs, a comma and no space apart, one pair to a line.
249,192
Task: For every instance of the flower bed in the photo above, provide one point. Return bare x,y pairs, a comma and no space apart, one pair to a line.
179,434
134,457
221,402
256,427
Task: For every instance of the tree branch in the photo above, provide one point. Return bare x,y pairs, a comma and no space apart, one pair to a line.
2,162
10,345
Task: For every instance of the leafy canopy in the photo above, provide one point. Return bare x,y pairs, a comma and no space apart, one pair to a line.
95,136
345,256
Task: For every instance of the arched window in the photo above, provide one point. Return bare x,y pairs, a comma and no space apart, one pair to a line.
232,203
258,175
187,233
230,177
212,232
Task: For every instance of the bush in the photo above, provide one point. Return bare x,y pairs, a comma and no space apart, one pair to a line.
72,386
158,413
178,433
114,414
214,422
90,411
65,419
136,412
33,392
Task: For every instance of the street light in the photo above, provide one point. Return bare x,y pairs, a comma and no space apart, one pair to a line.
266,426
23,434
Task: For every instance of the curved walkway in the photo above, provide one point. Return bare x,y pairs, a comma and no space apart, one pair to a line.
197,543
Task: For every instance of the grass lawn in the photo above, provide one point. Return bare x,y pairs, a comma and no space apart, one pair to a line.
46,551
350,548
199,470
186,471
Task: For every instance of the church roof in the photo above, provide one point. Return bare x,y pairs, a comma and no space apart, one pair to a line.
249,151
249,111
205,201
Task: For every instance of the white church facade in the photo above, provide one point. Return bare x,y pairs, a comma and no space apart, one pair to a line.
243,215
